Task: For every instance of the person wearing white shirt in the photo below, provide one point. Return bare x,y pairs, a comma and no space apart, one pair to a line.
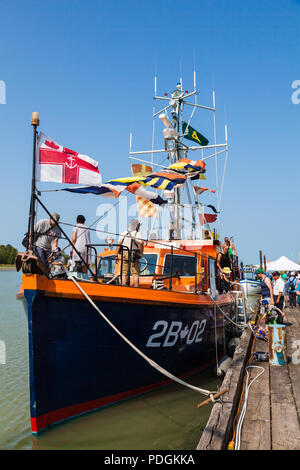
278,288
80,240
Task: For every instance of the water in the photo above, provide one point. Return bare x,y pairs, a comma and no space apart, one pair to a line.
167,418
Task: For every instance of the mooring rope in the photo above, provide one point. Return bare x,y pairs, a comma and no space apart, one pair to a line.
239,325
150,361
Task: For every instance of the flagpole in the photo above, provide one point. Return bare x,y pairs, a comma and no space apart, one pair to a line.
35,121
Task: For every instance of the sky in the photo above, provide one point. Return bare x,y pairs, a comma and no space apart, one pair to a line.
88,68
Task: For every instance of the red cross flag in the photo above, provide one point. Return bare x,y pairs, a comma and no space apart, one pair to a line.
61,165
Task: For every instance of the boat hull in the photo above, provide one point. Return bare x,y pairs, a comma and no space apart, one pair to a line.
79,363
250,287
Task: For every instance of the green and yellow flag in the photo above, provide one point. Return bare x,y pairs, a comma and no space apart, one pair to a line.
191,134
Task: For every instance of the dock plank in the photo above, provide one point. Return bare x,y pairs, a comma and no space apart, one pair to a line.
256,431
285,422
272,418
217,432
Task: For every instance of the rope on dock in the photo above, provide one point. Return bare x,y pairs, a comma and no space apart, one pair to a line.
243,412
150,361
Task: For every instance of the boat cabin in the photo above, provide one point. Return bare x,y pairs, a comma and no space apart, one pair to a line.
182,266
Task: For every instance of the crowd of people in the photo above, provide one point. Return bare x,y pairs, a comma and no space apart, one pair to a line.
47,234
280,289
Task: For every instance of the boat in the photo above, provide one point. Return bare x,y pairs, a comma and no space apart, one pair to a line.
94,342
249,282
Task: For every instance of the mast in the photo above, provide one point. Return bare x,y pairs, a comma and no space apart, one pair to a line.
176,149
35,121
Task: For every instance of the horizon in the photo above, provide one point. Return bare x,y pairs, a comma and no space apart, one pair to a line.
89,71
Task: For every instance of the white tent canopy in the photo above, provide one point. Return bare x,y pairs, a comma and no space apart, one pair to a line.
283,264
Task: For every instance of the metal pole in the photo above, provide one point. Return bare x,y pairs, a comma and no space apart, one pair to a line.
176,191
35,121
195,273
171,269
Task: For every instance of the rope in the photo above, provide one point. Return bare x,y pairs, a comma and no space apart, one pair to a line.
242,325
219,372
236,437
150,361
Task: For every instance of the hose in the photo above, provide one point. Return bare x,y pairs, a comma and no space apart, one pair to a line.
241,419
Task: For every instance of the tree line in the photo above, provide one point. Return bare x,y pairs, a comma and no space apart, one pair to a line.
7,254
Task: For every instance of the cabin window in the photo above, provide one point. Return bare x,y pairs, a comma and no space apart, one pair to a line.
148,264
183,265
106,266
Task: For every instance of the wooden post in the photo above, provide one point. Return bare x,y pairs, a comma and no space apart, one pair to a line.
260,259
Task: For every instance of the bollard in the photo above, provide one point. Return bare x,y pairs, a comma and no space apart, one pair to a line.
277,345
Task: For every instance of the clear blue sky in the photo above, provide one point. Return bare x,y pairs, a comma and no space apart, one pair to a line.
88,67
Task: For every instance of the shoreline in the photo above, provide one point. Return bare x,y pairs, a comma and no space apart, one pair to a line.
7,267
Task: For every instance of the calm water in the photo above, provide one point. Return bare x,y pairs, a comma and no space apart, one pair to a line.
167,418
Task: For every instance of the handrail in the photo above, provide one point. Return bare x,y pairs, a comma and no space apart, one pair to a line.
122,248
157,242
170,276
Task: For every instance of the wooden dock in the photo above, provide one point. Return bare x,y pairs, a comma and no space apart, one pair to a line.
272,418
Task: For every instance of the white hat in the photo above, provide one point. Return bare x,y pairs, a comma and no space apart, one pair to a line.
133,224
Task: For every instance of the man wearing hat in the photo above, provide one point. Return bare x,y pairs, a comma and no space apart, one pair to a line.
132,251
266,289
47,234
272,315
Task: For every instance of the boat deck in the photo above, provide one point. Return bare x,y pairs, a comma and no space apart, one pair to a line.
272,418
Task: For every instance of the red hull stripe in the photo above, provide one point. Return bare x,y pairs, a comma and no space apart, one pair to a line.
41,422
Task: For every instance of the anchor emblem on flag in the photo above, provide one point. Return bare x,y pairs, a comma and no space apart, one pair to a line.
72,162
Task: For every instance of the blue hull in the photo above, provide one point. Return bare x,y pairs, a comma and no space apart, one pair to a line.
78,363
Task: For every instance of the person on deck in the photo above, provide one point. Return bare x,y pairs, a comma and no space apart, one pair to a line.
47,233
272,315
298,292
266,289
81,238
57,263
224,263
223,259
225,281
278,288
132,252
231,246
291,286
